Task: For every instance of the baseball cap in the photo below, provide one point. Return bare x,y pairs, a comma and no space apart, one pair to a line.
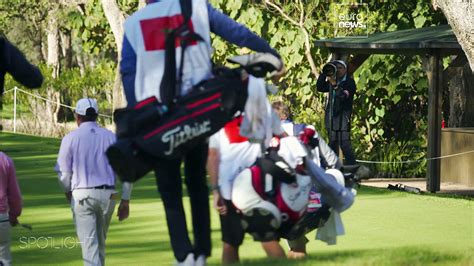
84,104
340,62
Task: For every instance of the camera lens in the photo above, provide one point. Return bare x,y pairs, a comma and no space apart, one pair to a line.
329,69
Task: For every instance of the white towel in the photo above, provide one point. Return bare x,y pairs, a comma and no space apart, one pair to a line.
292,151
260,121
331,229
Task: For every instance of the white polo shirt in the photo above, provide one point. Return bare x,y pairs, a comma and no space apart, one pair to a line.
235,154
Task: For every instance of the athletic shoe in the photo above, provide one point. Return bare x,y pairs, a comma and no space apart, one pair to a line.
201,261
189,261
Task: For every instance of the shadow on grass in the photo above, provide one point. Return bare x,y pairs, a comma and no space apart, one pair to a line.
392,256
373,191
132,248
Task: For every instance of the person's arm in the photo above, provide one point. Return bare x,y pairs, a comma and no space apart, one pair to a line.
213,168
236,33
322,85
64,167
348,88
14,62
213,162
124,207
128,66
13,194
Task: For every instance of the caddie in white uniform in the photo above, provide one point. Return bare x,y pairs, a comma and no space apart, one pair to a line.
229,154
321,153
89,182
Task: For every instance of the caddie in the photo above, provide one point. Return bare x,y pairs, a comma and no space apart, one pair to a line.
144,66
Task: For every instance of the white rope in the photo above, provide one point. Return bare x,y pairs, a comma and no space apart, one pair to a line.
48,100
414,161
7,91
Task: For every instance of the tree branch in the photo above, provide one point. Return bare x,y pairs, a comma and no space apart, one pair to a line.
300,25
277,8
301,13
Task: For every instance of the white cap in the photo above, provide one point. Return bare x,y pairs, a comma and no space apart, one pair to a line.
341,63
338,175
84,104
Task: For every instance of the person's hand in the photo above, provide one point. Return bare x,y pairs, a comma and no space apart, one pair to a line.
342,93
13,221
331,80
219,204
123,210
277,76
68,196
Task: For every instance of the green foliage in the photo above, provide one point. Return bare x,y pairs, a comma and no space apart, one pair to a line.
96,83
391,101
405,159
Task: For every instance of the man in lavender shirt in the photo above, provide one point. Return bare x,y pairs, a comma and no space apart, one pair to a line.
89,181
10,206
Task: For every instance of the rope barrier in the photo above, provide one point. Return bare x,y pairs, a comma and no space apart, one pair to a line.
7,91
48,100
414,161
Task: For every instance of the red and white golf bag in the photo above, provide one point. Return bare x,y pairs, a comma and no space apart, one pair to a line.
268,204
273,197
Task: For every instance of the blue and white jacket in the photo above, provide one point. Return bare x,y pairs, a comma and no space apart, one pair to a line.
143,53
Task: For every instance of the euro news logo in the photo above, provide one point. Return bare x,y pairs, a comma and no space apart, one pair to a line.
350,20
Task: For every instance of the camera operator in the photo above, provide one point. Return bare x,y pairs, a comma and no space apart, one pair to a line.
341,89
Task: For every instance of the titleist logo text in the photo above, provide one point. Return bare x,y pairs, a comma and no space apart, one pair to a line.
180,135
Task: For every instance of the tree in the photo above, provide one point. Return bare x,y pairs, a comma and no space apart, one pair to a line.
461,18
116,18
459,109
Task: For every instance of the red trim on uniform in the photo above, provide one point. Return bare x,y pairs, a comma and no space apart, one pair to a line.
232,131
203,101
145,102
154,31
181,119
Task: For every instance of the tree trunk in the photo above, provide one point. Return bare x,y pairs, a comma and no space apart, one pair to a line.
66,48
53,43
461,98
116,18
53,61
461,19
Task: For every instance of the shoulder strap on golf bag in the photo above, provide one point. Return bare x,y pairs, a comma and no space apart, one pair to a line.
170,84
273,164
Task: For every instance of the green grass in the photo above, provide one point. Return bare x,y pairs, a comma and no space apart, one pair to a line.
382,228
7,112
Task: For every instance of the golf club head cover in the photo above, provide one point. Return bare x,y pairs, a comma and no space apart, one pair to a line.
331,185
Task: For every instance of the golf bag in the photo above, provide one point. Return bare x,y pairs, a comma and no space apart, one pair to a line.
274,200
152,130
274,194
